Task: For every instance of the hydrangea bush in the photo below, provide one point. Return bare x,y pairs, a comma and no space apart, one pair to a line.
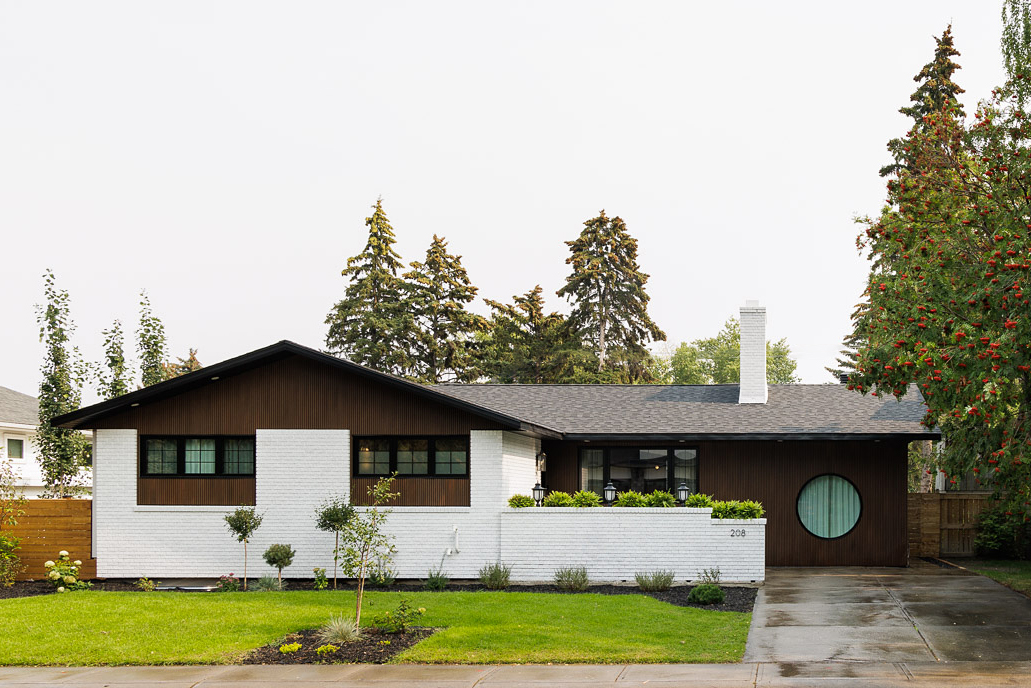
64,573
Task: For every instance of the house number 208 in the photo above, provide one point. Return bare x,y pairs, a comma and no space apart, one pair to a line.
737,532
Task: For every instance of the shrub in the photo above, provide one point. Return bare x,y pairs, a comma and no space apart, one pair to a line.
323,650
572,579
399,620
339,630
521,501
654,581
436,579
557,499
710,576
727,509
289,647
661,498
228,583
750,509
706,593
279,557
997,534
321,582
630,498
699,500
268,584
10,563
145,584
584,498
495,576
382,576
64,573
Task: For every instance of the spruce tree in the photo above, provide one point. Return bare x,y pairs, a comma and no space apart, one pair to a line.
113,377
610,306
151,345
62,452
373,324
440,290
936,91
183,365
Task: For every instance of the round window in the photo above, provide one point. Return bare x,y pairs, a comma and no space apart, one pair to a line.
829,506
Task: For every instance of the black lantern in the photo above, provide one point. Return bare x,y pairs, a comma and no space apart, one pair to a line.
538,493
610,493
683,492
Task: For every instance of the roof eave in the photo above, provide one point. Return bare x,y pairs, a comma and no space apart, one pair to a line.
753,436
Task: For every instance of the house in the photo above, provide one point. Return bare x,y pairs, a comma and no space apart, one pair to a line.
19,416
284,427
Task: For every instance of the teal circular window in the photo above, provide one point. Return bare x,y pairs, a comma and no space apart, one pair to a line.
829,506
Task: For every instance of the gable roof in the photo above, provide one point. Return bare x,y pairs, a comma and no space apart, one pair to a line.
18,408
703,411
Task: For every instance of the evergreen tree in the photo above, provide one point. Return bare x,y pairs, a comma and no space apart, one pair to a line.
183,365
440,291
62,452
373,324
1016,46
936,91
610,306
151,345
115,380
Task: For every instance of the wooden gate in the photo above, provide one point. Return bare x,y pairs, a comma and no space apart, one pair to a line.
51,525
944,525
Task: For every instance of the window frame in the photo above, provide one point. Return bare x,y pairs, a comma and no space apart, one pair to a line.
180,455
606,462
859,496
431,459
7,447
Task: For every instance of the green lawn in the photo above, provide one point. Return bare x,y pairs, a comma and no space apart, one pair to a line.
1013,574
87,628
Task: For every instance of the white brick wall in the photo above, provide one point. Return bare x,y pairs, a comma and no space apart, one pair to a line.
753,388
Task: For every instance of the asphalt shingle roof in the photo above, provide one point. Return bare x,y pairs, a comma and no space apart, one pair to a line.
18,408
698,409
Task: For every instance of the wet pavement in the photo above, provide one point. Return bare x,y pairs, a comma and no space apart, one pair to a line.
921,614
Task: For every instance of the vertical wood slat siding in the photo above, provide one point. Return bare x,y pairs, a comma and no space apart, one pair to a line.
295,393
51,525
213,491
417,491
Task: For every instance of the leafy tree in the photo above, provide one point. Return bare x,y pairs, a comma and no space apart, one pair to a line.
936,91
717,360
62,452
440,291
183,365
151,345
373,324
242,523
365,541
332,516
1016,46
950,256
115,380
279,557
606,288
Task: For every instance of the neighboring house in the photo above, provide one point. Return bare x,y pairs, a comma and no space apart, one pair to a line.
284,427
19,416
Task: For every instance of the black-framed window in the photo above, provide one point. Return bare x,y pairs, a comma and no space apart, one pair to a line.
643,469
411,456
196,456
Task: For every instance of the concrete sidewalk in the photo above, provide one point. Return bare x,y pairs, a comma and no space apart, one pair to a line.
854,674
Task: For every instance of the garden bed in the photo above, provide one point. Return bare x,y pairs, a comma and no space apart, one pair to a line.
374,647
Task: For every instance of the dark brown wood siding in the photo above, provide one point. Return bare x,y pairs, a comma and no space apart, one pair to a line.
417,491
213,491
774,473
295,393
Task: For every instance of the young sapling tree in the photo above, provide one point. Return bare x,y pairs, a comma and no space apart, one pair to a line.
332,516
242,523
365,542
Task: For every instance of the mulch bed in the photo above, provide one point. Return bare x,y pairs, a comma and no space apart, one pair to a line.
374,647
32,588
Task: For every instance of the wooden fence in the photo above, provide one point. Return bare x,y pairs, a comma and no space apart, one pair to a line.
51,525
944,525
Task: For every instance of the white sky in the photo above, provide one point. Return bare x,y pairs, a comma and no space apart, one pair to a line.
224,155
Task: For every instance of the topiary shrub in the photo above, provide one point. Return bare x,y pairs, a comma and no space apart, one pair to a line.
495,576
706,593
572,579
699,501
630,498
584,498
279,557
558,499
654,581
521,501
661,498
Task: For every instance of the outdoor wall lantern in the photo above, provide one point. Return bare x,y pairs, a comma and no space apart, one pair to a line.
683,492
538,493
610,493
542,462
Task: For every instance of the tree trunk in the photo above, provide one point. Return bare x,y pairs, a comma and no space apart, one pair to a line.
601,337
361,589
280,579
245,566
336,557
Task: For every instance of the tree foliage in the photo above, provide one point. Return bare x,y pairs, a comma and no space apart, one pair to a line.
365,542
1016,46
63,453
373,324
242,523
609,303
181,366
332,516
440,292
114,375
151,345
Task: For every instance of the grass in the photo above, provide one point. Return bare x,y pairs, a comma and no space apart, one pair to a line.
91,628
1012,574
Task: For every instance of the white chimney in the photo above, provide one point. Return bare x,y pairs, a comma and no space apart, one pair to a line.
753,354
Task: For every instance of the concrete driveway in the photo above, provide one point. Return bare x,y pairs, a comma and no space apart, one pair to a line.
920,614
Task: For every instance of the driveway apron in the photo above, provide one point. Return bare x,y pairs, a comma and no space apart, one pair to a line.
917,614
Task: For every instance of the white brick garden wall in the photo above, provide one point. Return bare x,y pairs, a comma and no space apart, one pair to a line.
297,469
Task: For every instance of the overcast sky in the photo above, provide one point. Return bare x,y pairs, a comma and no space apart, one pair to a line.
224,155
